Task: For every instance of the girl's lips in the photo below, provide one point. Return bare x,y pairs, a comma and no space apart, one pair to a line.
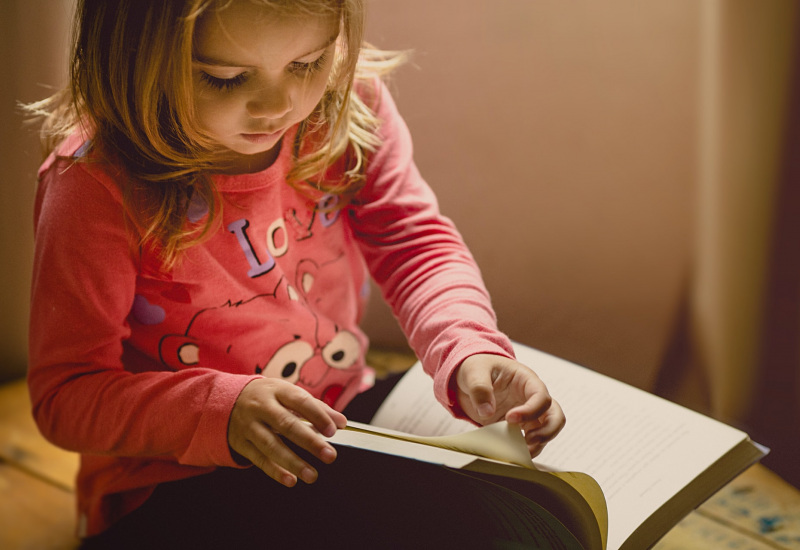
261,138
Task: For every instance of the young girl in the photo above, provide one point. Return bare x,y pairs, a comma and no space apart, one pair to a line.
224,178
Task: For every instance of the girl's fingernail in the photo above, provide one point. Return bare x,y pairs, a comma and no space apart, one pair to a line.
330,431
289,480
308,475
485,410
328,455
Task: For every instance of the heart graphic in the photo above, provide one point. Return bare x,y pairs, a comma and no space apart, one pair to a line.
147,313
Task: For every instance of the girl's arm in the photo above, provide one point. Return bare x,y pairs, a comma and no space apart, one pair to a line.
82,292
435,289
84,282
420,261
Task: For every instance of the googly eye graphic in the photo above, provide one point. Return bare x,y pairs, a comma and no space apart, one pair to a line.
288,360
342,351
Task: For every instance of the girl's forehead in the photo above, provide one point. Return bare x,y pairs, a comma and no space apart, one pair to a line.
249,32
261,11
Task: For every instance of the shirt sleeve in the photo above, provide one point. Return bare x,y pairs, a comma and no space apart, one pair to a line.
420,261
83,288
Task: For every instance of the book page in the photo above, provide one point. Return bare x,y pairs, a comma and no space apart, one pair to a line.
500,441
640,448
401,447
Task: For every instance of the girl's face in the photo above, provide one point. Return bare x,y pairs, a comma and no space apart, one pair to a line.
256,75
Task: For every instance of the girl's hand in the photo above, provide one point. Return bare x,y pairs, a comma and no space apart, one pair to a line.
492,387
269,408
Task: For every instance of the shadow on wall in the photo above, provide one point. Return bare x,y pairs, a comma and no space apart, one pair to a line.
34,33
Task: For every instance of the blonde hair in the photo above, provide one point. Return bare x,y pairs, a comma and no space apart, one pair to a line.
131,90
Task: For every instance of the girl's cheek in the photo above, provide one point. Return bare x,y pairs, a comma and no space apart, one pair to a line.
214,111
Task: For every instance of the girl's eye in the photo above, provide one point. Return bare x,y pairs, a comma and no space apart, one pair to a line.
223,84
307,69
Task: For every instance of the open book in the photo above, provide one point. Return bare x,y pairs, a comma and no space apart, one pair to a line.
626,468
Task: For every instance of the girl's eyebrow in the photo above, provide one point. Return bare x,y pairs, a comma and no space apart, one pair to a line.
215,62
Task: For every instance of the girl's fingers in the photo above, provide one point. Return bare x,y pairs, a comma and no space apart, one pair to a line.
269,410
300,432
474,381
278,460
539,432
272,457
538,404
325,419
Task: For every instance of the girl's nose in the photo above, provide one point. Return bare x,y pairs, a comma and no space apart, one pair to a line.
271,102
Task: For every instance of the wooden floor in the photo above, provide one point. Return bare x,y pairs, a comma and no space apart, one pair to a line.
36,481
757,511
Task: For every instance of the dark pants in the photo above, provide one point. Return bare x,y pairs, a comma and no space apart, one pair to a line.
362,500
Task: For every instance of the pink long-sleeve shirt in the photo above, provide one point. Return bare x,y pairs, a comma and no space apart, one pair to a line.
138,368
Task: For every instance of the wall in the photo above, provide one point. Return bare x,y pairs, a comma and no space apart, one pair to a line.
626,175
33,41
561,138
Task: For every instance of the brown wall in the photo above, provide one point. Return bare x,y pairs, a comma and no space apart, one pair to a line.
561,138
33,50
625,174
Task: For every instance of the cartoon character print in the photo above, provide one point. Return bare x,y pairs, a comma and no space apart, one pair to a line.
288,333
316,354
335,366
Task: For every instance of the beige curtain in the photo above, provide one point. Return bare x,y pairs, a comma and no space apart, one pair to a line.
747,66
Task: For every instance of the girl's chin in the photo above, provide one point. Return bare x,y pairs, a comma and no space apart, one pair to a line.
245,161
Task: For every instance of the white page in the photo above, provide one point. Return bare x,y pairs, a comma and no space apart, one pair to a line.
641,449
398,447
501,441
